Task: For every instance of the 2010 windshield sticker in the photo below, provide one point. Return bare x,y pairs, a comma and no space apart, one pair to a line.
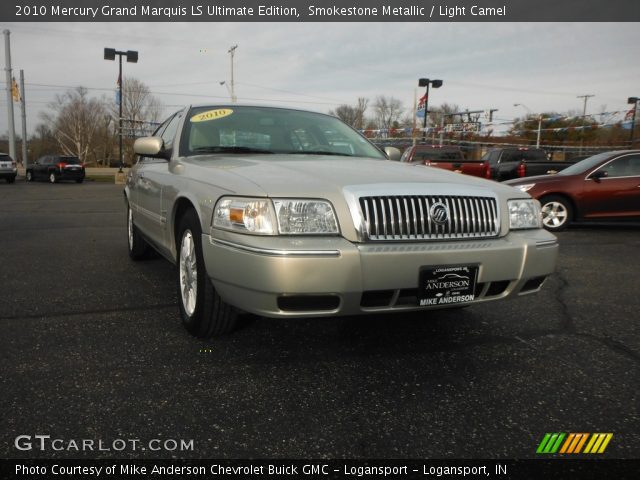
211,115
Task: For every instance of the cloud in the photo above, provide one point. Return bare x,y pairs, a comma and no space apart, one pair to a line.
320,65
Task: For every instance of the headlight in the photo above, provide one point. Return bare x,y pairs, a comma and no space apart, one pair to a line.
525,188
262,216
246,215
524,214
305,217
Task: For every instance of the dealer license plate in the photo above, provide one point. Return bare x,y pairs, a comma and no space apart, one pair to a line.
447,284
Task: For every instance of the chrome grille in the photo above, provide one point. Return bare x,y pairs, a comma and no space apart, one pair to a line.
408,217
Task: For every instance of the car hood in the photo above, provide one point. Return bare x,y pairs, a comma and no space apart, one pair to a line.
538,179
319,176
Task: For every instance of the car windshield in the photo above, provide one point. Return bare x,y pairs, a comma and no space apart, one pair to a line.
237,129
586,164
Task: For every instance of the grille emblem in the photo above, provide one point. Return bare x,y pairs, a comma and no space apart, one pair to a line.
439,213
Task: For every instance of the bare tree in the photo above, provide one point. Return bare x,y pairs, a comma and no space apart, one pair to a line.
139,106
42,142
447,110
346,113
352,115
361,107
140,111
387,111
75,119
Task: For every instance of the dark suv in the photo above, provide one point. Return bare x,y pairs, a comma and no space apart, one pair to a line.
8,168
56,168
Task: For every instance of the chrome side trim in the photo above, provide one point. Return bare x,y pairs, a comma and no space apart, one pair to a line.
546,243
275,253
153,216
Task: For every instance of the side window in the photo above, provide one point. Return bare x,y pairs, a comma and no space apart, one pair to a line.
169,133
628,166
634,166
511,156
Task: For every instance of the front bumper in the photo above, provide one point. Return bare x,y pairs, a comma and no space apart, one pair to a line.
284,276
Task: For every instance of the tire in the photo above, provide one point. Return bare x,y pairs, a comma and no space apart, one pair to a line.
137,245
29,176
79,180
557,213
204,314
11,179
52,177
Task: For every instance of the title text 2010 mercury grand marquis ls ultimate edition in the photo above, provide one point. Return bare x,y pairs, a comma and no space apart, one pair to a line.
281,212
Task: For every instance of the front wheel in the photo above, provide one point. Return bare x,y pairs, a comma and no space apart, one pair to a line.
29,176
557,213
204,313
53,178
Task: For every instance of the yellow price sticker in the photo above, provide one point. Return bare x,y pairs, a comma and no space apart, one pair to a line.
211,115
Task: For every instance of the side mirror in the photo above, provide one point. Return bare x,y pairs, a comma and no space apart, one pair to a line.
150,147
599,175
393,153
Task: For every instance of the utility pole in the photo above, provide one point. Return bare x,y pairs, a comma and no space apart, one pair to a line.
634,102
232,51
9,80
584,114
23,106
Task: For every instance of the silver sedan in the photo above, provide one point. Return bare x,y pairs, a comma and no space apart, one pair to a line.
282,212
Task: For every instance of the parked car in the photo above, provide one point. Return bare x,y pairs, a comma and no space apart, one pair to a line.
447,157
262,214
56,168
602,187
8,168
518,162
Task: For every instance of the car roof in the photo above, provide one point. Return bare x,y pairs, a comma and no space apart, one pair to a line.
228,104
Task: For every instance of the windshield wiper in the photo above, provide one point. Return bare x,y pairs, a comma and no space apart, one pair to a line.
321,152
223,149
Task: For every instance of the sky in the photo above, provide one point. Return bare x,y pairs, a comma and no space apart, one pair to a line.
318,66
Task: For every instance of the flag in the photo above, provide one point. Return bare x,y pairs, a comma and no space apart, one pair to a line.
118,89
422,101
15,91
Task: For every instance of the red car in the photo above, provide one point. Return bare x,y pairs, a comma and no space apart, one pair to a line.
605,187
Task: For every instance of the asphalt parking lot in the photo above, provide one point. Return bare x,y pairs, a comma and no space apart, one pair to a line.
91,347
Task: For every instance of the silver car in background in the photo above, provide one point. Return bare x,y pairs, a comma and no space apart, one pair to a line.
281,212
8,168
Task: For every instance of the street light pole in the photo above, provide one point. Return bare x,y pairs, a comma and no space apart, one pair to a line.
132,57
232,51
425,82
634,101
584,114
539,121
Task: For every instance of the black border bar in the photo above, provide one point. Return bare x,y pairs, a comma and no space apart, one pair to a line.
565,468
330,11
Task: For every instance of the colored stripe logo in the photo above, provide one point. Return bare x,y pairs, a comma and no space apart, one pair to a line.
574,443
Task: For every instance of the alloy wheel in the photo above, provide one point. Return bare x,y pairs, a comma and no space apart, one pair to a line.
554,215
188,273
